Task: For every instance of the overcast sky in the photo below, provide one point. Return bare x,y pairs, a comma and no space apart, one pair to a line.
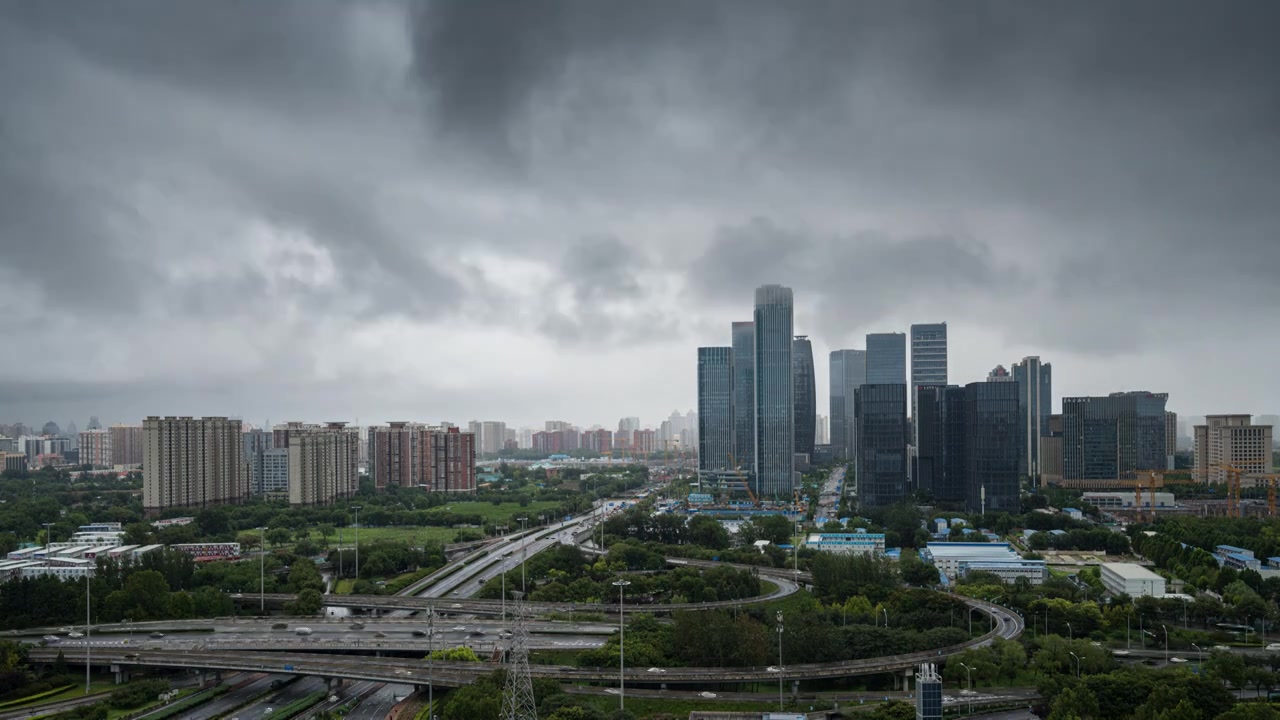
531,210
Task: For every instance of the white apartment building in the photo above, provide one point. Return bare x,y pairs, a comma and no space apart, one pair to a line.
1231,440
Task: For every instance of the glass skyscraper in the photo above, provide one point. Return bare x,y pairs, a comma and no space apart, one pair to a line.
881,412
805,395
775,392
991,447
1035,404
928,357
1109,438
848,373
715,407
886,358
744,395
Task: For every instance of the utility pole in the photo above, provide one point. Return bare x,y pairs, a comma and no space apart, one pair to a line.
431,663
622,636
356,508
524,547
262,572
88,646
779,618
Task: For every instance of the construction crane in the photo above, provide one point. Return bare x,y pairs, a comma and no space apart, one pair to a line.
743,478
1156,480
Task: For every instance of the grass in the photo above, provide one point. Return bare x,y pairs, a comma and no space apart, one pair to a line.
404,534
501,512
297,707
35,698
114,713
77,691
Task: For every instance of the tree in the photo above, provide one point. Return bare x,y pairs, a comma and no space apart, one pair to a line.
309,602
278,536
1074,702
1250,711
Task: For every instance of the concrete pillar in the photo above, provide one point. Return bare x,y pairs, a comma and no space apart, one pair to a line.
795,689
217,677
121,674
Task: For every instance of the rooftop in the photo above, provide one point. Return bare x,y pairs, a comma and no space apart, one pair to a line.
1130,571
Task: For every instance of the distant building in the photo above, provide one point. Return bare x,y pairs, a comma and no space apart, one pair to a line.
999,374
126,445
956,559
715,408
1035,405
928,357
255,443
1231,440
881,415
886,359
991,448
1132,580
822,431
450,461
775,393
644,441
940,427
744,395
847,543
324,463
13,462
192,462
600,441
493,433
1126,500
1108,438
805,395
1170,438
8,444
394,455
95,448
437,459
848,373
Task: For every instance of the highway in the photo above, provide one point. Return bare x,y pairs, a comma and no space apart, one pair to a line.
276,700
257,684
377,705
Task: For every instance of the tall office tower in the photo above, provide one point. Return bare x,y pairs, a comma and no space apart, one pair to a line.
95,448
256,443
848,373
1231,440
72,434
93,423
999,374
324,464
393,454
1051,453
881,417
493,433
886,358
192,462
1109,438
775,393
448,460
744,395
1035,404
806,395
126,444
1170,437
992,448
8,444
928,357
822,431
715,408
940,465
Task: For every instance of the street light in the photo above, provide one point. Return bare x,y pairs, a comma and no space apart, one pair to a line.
524,545
356,508
87,622
262,572
622,657
1166,643
1077,657
779,617
886,616
1071,635
1201,650
968,673
431,663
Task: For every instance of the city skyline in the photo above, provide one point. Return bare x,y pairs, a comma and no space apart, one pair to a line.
392,224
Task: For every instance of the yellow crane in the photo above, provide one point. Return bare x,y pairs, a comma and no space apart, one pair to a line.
742,477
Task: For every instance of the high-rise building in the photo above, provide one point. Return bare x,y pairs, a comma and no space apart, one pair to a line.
1272,420
393,454
449,460
1051,453
255,444
928,357
644,441
493,433
192,462
51,428
93,423
744,396
95,448
806,395
1108,438
126,445
599,440
628,425
1035,404
715,408
13,462
848,373
8,444
940,427
324,463
881,417
775,392
1231,440
1170,437
556,425
999,374
992,444
822,431
886,358
437,459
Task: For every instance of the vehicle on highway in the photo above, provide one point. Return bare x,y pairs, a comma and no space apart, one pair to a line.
302,631
74,634
1273,647
51,638
280,626
131,656
707,695
1120,653
357,626
379,635
1177,660
456,606
459,628
1221,648
419,633
268,711
656,670
156,635
477,633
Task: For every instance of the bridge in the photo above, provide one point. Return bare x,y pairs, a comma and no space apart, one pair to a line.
1005,624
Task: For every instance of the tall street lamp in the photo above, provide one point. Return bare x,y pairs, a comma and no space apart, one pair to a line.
431,663
524,547
1077,657
779,618
622,657
968,674
1071,635
1166,643
262,571
356,509
87,622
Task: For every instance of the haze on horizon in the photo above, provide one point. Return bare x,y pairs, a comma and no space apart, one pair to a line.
321,209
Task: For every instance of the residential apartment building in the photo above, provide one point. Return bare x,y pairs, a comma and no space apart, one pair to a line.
126,445
848,373
450,461
715,408
393,454
437,459
598,440
1108,438
95,448
805,393
775,392
192,462
324,463
1231,440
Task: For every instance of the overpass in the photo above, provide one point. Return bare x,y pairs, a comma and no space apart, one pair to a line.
1006,624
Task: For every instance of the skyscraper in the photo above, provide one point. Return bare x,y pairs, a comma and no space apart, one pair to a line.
805,392
715,407
1231,440
192,462
744,395
848,373
126,444
255,444
991,447
775,392
881,413
95,448
886,359
928,357
324,463
1107,438
822,431
1035,405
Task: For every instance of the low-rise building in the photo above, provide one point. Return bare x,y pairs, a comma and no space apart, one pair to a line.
861,543
1073,513
1035,571
1127,500
1132,580
954,559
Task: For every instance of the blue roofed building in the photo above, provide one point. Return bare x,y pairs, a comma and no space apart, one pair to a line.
859,543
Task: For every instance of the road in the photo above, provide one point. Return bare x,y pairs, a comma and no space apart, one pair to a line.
376,706
501,558
257,685
829,497
280,698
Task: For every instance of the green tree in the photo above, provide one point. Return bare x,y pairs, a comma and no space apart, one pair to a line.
181,606
1074,703
1250,711
309,602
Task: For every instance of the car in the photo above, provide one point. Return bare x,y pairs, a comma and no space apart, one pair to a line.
708,695
131,656
268,711
302,631
357,626
456,606
419,633
773,668
504,634
612,691
477,633
74,634
459,628
1120,653
51,638
1095,643
379,635
1221,648
1177,660
656,670
1273,647
156,635
280,626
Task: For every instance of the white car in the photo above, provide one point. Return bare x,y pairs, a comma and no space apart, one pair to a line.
74,634
1221,648
459,628
656,670
707,695
1273,647
1177,660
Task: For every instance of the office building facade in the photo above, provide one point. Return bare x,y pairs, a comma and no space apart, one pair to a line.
992,448
775,392
715,408
1051,453
805,391
1035,404
928,357
886,359
192,462
1231,440
881,417
1107,438
324,464
848,373
744,395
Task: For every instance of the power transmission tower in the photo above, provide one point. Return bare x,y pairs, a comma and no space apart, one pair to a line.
517,696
